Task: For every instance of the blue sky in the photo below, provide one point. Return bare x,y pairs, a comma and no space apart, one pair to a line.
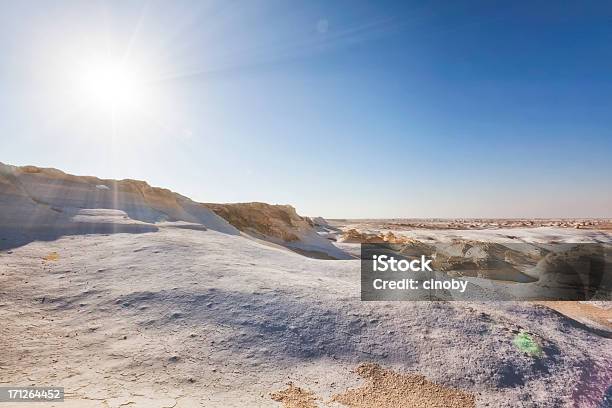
340,108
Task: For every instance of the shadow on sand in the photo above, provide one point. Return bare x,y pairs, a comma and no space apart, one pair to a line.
11,237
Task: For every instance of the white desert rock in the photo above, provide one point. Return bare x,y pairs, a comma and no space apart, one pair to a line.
279,224
38,198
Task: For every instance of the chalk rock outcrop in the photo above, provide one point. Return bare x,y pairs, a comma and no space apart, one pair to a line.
279,224
34,198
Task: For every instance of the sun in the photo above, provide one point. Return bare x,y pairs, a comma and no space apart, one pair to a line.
111,85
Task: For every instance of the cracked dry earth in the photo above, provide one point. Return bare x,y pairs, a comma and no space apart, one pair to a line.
184,318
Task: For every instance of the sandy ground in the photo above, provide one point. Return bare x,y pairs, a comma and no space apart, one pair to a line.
387,389
179,318
383,388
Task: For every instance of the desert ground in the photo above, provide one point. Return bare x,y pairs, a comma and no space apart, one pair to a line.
130,295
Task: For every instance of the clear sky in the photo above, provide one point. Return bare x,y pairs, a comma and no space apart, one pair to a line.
340,108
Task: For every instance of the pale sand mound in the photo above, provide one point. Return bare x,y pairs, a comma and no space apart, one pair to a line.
225,320
388,389
295,397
